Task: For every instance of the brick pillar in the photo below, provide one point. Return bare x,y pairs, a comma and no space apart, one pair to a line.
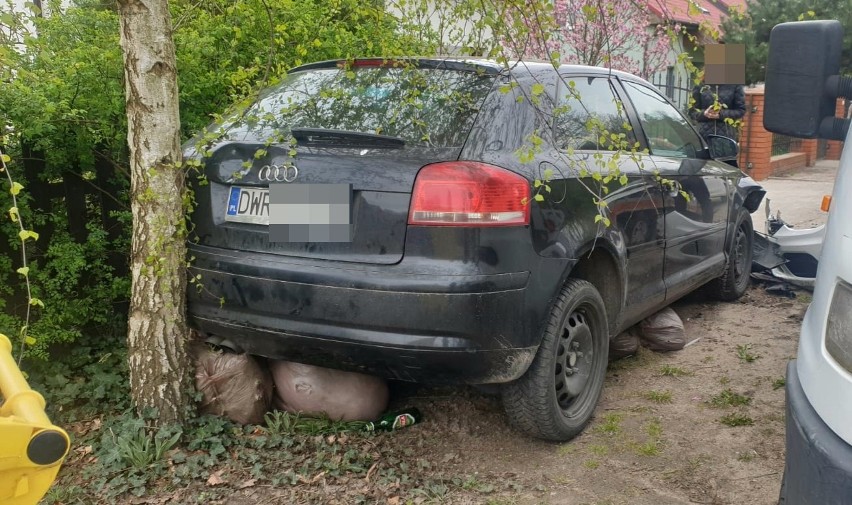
755,141
809,147
835,147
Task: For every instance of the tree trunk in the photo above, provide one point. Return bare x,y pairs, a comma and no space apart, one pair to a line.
157,330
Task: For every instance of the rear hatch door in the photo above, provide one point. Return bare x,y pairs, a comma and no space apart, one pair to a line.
334,141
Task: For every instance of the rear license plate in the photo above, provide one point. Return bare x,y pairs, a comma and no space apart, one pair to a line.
248,205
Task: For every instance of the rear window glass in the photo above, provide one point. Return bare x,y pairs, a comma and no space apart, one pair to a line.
431,107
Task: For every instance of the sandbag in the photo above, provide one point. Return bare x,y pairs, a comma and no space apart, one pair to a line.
624,344
342,396
232,385
663,331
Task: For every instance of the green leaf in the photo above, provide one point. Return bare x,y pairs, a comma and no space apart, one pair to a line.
6,158
537,89
36,302
598,218
539,198
548,174
29,340
24,271
623,180
537,183
16,188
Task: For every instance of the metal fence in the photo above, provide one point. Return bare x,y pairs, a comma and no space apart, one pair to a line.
677,89
782,144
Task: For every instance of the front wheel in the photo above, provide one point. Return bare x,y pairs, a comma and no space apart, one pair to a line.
733,283
556,397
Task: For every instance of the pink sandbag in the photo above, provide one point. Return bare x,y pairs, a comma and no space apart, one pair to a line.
232,385
663,331
342,396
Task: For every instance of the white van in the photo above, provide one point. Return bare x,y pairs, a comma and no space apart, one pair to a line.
819,382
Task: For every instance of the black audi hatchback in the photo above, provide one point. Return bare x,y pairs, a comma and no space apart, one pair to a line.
441,221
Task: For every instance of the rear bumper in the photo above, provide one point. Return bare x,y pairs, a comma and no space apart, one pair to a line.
381,320
819,463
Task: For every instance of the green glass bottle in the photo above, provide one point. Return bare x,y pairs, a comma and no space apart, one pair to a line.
396,420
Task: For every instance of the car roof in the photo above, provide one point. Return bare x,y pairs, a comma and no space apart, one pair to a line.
475,64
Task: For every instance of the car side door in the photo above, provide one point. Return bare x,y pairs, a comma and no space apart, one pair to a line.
589,111
696,192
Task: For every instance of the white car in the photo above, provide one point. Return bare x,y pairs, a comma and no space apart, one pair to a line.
819,382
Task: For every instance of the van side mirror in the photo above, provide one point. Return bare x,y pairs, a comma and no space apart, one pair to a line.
722,148
803,82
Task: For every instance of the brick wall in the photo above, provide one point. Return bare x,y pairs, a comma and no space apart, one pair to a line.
756,143
835,147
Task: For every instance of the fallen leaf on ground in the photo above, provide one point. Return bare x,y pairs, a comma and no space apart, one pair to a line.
215,479
248,483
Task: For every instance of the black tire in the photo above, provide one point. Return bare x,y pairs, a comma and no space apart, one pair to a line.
556,397
733,283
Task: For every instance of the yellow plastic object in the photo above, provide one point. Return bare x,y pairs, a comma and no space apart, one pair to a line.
31,447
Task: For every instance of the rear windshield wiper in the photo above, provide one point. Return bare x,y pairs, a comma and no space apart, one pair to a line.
344,138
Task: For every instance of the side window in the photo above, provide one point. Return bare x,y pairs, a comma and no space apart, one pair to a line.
586,112
669,134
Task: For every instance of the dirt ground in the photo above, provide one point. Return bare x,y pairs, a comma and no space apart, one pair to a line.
701,425
657,437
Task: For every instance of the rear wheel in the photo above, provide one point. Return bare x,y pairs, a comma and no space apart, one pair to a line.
556,397
733,283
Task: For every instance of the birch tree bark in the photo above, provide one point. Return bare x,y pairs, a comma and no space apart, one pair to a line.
157,330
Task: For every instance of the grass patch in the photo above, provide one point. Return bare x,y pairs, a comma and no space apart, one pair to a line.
653,446
779,383
567,449
592,464
675,371
745,354
728,398
649,448
611,424
599,450
641,359
736,419
746,456
471,483
658,396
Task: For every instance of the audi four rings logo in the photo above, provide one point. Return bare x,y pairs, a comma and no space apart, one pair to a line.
275,173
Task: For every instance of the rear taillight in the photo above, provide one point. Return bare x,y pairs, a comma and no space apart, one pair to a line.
468,193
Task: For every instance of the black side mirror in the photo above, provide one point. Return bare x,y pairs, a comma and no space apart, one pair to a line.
722,148
802,80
